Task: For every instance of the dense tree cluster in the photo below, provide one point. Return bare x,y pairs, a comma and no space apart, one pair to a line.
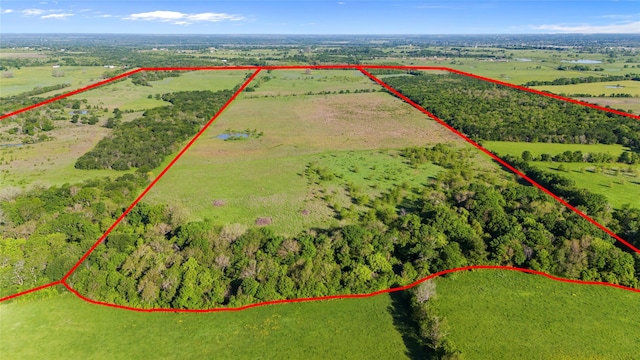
143,78
488,111
44,232
144,142
458,219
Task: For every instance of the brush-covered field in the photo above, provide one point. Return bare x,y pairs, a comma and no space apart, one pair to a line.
352,135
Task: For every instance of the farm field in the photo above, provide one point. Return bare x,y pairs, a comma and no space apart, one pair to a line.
63,327
27,78
350,134
607,88
619,187
127,96
509,315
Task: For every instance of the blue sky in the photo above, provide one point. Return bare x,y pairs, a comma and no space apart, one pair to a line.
319,17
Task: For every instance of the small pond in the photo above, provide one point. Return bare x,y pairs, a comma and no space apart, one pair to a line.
583,61
226,136
79,112
614,87
523,59
10,145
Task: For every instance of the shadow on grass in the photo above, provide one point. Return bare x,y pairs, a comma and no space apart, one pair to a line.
400,310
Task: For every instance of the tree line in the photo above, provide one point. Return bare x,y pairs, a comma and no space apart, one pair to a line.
583,80
459,218
144,142
488,111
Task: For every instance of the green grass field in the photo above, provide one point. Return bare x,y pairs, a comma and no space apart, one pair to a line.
536,149
510,315
263,177
491,314
287,82
620,188
27,78
610,87
64,327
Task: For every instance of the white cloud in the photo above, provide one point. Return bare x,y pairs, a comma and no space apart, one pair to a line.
341,3
179,18
56,16
33,12
7,11
619,28
105,16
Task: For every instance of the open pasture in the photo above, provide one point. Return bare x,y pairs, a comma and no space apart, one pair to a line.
63,327
349,133
510,315
620,187
27,78
299,82
127,96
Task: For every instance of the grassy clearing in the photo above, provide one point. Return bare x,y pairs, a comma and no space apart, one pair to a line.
619,187
263,177
64,327
288,82
127,96
607,88
536,149
27,78
510,315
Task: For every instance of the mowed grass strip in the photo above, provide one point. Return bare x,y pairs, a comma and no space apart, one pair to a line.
262,177
64,327
499,314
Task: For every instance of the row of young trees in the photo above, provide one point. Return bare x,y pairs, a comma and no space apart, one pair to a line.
626,157
459,218
488,111
582,80
144,142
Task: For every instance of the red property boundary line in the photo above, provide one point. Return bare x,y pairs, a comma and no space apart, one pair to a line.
350,296
361,68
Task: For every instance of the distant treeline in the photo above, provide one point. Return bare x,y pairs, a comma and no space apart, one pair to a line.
144,142
627,157
582,80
